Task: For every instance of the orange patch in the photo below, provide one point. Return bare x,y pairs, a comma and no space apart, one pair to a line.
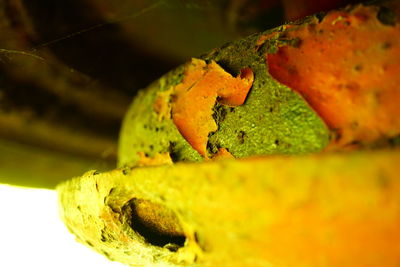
194,99
348,69
223,153
158,159
162,104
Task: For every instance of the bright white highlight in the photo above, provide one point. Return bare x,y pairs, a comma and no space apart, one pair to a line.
31,233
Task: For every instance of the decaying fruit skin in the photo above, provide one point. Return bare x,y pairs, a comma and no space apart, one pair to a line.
347,67
202,87
321,210
332,208
326,83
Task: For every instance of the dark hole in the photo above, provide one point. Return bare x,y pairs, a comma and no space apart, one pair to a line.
174,152
228,67
156,224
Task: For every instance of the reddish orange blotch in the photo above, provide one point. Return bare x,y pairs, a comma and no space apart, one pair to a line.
348,69
196,96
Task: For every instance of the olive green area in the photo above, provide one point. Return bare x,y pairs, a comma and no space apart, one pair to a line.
273,120
143,132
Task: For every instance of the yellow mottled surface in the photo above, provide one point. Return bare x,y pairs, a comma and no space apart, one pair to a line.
320,210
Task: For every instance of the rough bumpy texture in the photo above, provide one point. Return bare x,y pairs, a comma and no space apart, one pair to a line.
347,67
326,209
327,82
322,210
145,131
273,120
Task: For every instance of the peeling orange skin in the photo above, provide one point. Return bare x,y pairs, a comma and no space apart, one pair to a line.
347,67
204,84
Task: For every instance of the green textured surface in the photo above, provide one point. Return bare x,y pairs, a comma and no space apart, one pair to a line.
273,120
142,131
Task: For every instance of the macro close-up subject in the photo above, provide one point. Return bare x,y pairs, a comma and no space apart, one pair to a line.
200,133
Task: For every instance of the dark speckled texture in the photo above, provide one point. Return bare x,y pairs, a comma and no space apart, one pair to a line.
273,120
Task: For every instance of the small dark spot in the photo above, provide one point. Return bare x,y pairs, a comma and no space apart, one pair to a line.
358,67
271,110
336,134
276,142
241,136
296,42
79,207
111,191
231,109
354,125
97,187
199,241
172,247
151,147
126,171
105,236
386,45
105,253
89,243
346,23
96,173
145,126
157,129
386,16
292,70
320,16
146,155
196,237
174,152
353,86
395,141
354,143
